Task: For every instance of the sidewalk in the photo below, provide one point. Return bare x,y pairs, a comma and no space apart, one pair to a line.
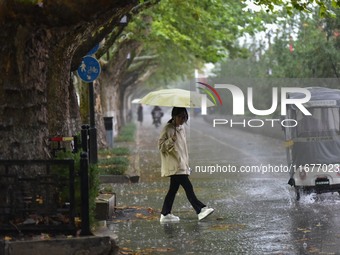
147,154
136,224
230,230
253,214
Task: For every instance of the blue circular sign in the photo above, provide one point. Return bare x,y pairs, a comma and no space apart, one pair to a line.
89,69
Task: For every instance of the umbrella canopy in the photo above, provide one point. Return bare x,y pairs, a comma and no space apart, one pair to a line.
135,101
175,97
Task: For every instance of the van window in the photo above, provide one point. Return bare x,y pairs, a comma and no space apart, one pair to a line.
322,122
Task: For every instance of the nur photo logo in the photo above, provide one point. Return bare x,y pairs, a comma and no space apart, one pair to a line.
211,92
280,97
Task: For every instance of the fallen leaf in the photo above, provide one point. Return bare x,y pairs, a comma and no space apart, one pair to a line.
304,230
227,227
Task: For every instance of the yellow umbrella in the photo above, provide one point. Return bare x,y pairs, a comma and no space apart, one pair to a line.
176,97
135,101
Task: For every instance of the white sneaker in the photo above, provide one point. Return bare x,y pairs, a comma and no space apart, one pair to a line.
205,212
169,218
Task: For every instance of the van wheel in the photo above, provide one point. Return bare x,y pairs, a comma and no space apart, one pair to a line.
298,193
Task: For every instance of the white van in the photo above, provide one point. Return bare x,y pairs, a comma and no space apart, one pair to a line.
313,145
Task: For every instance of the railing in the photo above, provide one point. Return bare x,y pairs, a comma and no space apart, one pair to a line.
37,195
59,139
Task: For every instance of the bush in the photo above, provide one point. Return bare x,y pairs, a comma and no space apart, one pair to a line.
119,151
93,182
114,165
114,161
112,170
127,133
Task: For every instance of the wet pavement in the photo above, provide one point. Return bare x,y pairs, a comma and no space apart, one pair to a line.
255,213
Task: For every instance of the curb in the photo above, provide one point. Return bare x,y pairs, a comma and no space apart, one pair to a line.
65,246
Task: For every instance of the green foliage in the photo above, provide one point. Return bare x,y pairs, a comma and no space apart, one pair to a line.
115,165
315,51
127,133
113,170
186,34
305,46
324,7
93,182
64,173
93,190
114,160
120,151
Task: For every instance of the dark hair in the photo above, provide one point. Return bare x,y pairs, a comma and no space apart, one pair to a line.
177,111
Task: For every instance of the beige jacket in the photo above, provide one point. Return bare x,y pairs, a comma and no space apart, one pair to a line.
174,155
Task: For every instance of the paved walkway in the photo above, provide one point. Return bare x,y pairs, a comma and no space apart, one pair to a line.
255,214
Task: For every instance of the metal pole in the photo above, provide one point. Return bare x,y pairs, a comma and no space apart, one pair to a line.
93,157
84,186
84,137
75,144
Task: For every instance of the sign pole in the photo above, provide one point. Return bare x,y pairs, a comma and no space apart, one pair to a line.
93,157
88,71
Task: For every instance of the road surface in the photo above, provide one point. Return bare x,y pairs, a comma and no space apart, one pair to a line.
255,212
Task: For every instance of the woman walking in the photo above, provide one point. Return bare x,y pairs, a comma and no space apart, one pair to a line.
175,164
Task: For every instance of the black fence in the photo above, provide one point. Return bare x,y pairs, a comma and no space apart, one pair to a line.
37,196
47,195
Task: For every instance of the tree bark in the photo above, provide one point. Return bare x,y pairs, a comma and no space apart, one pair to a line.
23,97
111,81
38,45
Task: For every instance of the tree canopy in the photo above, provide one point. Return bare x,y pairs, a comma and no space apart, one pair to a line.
177,36
180,36
300,5
303,51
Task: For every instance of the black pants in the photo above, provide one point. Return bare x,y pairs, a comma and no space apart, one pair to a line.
175,182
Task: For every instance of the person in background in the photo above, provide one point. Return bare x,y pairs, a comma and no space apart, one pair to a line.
157,115
175,165
140,114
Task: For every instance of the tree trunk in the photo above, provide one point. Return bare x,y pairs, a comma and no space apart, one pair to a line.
111,80
38,44
36,92
99,117
37,99
23,114
74,108
108,96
